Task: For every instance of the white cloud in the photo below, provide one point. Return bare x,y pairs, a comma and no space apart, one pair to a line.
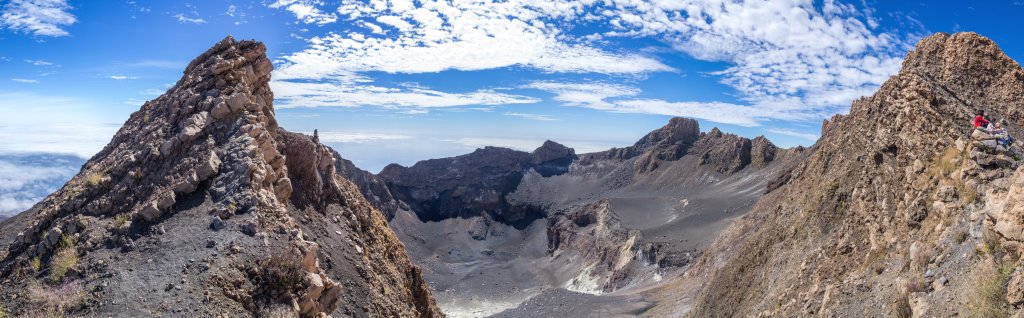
540,117
529,144
788,60
26,81
622,99
437,36
28,178
306,11
592,94
238,14
786,55
794,133
357,137
303,94
122,77
37,17
38,62
182,18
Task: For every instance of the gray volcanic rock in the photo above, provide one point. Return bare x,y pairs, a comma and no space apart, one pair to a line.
191,210
374,188
493,227
474,184
666,143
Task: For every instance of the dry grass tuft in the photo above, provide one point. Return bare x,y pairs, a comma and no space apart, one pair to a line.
63,260
54,301
282,271
988,297
94,178
960,237
120,220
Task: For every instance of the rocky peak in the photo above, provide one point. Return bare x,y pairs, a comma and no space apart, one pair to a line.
551,150
208,149
679,131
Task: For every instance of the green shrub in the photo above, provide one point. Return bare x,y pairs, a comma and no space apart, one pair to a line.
94,179
65,258
36,263
120,220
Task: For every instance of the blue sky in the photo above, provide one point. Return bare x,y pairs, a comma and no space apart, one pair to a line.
401,81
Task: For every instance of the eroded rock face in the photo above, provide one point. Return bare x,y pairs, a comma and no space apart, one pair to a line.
726,153
591,235
877,201
209,148
474,184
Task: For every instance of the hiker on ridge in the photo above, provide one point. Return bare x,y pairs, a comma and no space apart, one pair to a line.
1002,135
980,121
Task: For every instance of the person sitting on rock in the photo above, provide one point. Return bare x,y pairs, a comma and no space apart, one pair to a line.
980,121
1002,135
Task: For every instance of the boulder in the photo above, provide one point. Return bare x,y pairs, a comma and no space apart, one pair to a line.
1015,289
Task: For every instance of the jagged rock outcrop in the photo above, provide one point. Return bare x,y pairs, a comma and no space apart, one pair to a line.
191,209
891,211
474,184
666,143
592,237
725,153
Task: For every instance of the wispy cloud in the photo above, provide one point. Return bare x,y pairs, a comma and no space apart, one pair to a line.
586,94
38,62
237,14
540,117
794,133
194,19
357,137
787,60
303,94
151,92
122,77
37,17
26,81
306,11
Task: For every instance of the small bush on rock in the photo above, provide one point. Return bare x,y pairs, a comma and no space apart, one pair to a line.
988,297
282,271
64,259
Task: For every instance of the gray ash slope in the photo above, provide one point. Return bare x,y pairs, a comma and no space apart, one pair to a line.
202,206
497,227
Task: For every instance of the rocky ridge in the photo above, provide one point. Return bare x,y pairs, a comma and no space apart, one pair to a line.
896,211
207,159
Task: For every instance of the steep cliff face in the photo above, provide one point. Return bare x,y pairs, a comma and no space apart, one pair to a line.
191,210
895,211
474,184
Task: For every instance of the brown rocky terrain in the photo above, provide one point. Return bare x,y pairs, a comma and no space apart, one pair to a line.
202,206
898,210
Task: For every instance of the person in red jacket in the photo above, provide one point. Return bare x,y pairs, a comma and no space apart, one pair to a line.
980,121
